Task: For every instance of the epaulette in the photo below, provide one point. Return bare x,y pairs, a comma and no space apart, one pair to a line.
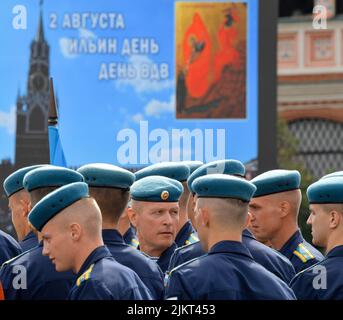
303,253
134,243
192,239
85,276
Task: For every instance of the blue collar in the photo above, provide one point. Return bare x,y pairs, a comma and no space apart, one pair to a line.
293,241
228,246
112,236
335,252
96,255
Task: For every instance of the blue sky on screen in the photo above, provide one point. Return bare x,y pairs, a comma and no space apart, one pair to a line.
93,111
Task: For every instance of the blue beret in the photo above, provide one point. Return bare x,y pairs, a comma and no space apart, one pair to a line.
173,170
55,202
326,191
229,166
107,176
156,189
193,165
14,182
50,176
333,174
275,181
223,186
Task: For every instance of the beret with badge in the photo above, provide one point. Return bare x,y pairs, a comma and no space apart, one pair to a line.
156,189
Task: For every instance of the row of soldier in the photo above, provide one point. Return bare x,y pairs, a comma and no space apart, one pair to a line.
102,232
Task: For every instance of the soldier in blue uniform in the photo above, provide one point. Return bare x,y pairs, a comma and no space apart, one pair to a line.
155,215
274,213
324,280
110,186
228,270
43,281
229,166
19,202
69,218
178,171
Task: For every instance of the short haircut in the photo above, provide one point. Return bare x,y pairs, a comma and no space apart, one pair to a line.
85,212
226,211
328,207
112,202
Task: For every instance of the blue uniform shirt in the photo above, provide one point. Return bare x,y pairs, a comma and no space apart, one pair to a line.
103,278
271,259
9,248
186,235
227,272
267,257
301,254
147,270
29,242
303,282
43,281
130,237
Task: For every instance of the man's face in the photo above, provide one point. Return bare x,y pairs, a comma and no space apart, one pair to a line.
57,245
319,220
157,223
265,218
19,211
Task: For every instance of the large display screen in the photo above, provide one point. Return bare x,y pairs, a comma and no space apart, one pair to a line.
137,81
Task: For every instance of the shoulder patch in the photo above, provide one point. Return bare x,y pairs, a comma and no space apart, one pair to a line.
303,253
85,276
193,238
134,243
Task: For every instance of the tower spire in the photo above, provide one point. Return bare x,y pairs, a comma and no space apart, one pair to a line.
40,30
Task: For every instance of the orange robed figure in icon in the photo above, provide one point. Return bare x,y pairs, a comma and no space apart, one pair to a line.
227,36
197,57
